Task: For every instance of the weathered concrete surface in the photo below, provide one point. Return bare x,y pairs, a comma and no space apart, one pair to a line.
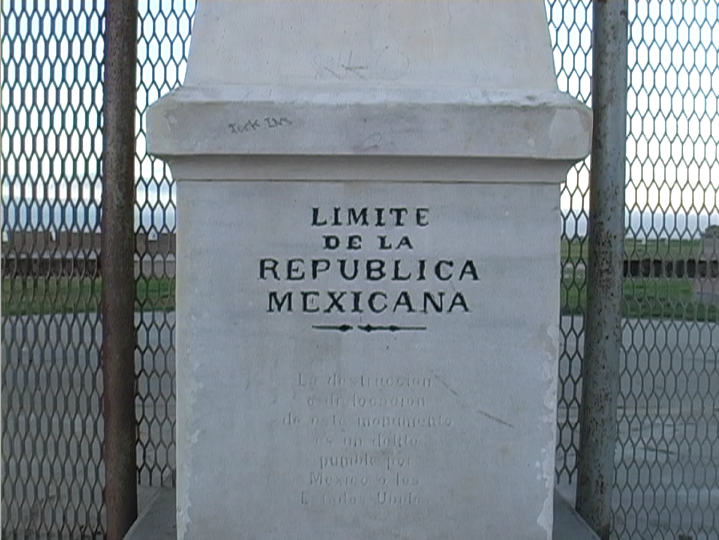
157,522
448,109
376,414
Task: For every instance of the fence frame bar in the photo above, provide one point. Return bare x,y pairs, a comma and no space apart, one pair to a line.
603,322
117,266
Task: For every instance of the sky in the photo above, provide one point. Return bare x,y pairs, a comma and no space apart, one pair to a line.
673,80
51,96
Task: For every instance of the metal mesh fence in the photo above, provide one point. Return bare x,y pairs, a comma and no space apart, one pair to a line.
571,36
51,94
164,39
52,427
51,383
667,481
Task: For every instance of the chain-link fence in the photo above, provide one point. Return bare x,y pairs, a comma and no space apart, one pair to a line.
667,485
667,454
52,427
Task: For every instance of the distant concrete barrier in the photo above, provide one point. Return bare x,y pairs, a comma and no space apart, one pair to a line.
706,287
77,253
662,268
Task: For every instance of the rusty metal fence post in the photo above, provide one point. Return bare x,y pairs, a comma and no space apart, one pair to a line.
117,266
603,339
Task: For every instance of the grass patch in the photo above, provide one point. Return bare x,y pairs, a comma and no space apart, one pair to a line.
42,295
655,298
666,298
573,297
574,250
155,294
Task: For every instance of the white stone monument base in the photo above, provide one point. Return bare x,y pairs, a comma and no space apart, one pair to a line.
157,520
379,362
376,354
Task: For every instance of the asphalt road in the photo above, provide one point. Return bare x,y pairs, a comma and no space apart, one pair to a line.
667,455
52,419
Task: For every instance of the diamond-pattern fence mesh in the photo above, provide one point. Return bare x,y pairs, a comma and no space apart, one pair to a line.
667,485
51,383
52,427
667,454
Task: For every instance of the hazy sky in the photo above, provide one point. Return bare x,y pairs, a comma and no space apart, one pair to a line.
51,97
672,100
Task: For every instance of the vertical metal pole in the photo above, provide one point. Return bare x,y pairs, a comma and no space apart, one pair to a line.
117,265
602,339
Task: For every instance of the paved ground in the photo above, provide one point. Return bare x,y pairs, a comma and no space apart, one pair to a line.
52,421
159,523
667,456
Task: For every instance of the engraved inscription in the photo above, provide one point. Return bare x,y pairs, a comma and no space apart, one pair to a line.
376,255
369,431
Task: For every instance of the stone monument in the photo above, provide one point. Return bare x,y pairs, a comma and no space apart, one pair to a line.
373,356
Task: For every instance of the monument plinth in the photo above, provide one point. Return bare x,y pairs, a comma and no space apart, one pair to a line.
368,269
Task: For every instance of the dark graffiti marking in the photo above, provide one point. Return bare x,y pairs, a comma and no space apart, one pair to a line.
254,124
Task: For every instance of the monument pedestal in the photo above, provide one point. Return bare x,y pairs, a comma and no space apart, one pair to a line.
157,521
368,269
